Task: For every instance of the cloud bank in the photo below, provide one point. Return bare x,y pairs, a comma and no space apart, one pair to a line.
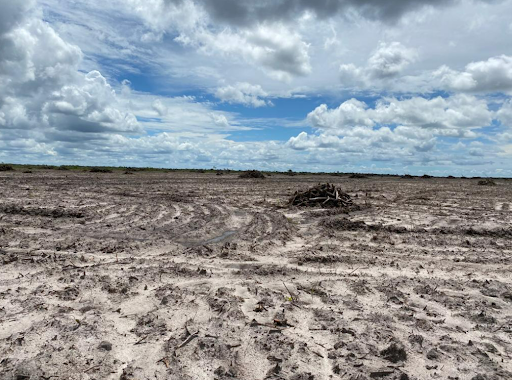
376,86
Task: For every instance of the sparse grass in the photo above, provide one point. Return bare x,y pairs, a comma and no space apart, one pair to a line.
100,170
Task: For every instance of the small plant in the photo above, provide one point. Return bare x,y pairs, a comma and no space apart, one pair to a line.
487,182
253,174
100,170
6,168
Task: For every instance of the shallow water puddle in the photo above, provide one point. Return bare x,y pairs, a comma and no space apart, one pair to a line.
217,239
220,238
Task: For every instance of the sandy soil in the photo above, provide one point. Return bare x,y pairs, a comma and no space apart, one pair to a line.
197,276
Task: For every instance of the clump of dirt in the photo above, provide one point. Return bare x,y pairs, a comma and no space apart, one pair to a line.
394,353
324,195
100,170
253,174
6,168
344,224
487,182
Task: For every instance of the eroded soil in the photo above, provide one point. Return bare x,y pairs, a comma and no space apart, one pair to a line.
197,276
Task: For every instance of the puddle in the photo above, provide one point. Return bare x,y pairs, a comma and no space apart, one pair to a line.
220,238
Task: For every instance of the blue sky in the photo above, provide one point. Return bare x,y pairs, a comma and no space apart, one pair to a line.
389,87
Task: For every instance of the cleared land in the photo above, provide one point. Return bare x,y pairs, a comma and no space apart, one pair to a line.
198,276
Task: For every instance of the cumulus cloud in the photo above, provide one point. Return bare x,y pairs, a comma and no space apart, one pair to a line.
274,47
277,50
368,141
350,113
243,93
42,88
388,61
12,12
504,114
400,130
455,115
493,75
262,34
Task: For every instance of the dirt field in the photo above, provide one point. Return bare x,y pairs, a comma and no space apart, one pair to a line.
197,276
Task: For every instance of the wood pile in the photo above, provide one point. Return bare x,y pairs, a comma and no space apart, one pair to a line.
324,195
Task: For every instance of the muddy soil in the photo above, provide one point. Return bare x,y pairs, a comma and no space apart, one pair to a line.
196,276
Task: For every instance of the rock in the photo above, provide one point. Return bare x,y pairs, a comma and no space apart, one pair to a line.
394,353
105,346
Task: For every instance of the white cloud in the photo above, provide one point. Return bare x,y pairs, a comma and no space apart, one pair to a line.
12,12
493,75
446,116
50,108
349,114
402,141
504,114
388,61
278,50
43,89
92,100
243,93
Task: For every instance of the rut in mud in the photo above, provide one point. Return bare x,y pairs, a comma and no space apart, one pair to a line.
186,276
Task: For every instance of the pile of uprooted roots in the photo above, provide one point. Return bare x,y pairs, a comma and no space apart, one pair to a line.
323,195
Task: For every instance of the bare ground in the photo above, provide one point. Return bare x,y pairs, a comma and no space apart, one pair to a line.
195,276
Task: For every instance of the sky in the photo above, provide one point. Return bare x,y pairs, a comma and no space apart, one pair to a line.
397,86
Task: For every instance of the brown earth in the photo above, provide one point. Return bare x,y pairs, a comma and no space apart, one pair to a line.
192,276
